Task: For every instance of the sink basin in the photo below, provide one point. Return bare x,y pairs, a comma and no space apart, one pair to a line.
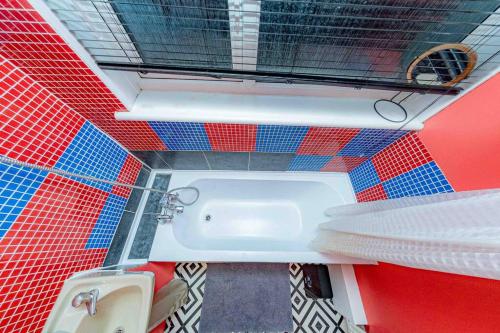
123,305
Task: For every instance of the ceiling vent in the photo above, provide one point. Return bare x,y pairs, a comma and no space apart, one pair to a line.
443,65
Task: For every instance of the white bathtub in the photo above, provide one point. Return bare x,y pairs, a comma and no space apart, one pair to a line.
252,217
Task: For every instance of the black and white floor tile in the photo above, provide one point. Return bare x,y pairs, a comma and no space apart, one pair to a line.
187,318
309,315
312,315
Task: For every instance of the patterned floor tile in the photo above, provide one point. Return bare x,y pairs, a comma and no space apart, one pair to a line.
309,315
187,319
312,315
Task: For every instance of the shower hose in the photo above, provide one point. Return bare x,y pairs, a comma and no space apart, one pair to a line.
60,172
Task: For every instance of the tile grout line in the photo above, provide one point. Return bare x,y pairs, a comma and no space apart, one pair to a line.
206,159
159,156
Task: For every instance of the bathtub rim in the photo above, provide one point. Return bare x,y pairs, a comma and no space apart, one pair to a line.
257,256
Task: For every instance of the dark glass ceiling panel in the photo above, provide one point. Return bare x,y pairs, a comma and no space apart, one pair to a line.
177,32
347,42
361,39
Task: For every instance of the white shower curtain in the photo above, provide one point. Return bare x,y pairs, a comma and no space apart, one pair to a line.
450,232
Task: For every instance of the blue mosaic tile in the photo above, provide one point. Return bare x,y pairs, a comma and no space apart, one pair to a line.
308,162
279,139
182,136
93,153
368,142
426,179
17,186
105,227
364,176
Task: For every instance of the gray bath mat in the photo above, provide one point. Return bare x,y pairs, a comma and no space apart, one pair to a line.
246,297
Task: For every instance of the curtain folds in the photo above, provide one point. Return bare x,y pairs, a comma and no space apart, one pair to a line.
449,232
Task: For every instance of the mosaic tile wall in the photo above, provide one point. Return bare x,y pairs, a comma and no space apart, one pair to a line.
51,226
316,148
404,168
33,46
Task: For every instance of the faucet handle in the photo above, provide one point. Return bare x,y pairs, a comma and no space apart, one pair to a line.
179,209
172,197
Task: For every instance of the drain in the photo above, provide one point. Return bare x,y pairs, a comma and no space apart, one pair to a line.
119,330
208,217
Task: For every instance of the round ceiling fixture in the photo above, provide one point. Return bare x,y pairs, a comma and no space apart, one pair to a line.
443,65
390,110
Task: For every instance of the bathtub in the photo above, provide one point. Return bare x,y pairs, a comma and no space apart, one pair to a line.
251,217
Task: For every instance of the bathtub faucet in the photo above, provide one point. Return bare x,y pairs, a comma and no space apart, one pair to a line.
172,199
171,204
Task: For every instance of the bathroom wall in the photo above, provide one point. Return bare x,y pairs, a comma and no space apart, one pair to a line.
404,168
32,45
295,148
462,140
50,225
53,109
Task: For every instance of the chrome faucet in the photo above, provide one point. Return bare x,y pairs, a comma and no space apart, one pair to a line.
169,207
90,300
165,216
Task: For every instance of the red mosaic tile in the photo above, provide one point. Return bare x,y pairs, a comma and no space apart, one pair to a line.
33,46
325,141
232,137
36,126
128,175
343,163
402,156
374,193
46,243
44,246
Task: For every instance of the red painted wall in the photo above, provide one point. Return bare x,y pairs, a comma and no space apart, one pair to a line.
399,299
164,273
464,140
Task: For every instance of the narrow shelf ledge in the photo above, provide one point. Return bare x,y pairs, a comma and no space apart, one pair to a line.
182,106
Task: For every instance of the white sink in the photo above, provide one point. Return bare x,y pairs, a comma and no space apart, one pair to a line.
124,303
